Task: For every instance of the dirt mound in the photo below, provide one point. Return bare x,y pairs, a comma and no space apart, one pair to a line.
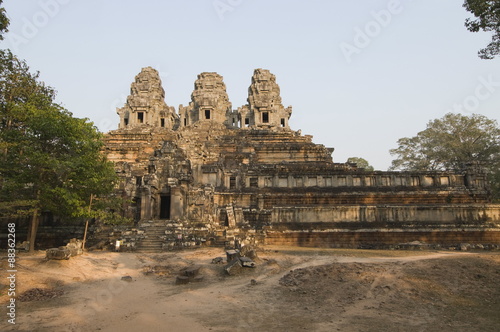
458,293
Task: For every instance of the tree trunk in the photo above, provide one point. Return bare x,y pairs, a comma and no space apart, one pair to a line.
35,220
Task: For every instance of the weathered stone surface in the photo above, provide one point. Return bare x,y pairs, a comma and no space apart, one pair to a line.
465,246
247,262
189,274
75,247
264,108
58,253
146,104
218,260
224,176
191,271
232,255
209,101
248,251
233,267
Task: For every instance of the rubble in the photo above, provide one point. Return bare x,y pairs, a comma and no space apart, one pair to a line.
218,260
232,254
247,262
25,245
236,262
234,267
75,247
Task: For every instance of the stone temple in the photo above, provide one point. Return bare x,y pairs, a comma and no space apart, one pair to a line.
212,173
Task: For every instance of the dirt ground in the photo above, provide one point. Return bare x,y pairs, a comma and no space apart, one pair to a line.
291,289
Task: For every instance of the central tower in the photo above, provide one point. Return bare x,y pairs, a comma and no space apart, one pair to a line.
209,101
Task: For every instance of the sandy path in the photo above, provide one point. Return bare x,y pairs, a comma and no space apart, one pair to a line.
96,299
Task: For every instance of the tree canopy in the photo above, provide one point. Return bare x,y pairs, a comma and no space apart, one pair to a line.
4,21
487,13
453,143
450,143
361,163
49,160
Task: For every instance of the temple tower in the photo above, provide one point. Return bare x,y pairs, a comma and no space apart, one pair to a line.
209,101
264,108
146,103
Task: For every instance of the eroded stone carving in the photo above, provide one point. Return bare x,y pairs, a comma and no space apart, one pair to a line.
209,101
243,175
264,108
146,103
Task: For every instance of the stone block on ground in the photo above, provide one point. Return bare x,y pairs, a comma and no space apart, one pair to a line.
247,262
189,274
218,260
75,247
252,254
191,271
25,245
232,254
58,253
233,267
182,280
464,246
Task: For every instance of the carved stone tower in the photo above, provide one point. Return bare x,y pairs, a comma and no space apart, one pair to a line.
264,108
146,103
209,101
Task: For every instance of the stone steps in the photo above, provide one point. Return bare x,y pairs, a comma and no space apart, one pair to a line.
154,232
165,235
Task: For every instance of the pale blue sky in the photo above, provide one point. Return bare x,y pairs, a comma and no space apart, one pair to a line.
415,61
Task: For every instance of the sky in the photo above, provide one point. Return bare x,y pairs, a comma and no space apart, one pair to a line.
358,74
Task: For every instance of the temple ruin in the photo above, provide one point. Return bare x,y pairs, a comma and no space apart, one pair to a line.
211,174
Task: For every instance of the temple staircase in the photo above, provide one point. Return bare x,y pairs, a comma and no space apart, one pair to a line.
154,236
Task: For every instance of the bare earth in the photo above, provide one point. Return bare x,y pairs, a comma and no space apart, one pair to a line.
293,289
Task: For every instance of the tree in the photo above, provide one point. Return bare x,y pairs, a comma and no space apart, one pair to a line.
453,143
487,13
49,160
361,163
4,21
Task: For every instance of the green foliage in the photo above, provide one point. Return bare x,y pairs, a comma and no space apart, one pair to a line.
109,209
4,21
453,143
450,143
487,13
49,160
361,163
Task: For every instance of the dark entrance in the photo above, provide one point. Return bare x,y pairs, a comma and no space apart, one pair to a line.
136,203
165,207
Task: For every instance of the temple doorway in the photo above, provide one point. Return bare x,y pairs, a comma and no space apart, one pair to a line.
165,201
